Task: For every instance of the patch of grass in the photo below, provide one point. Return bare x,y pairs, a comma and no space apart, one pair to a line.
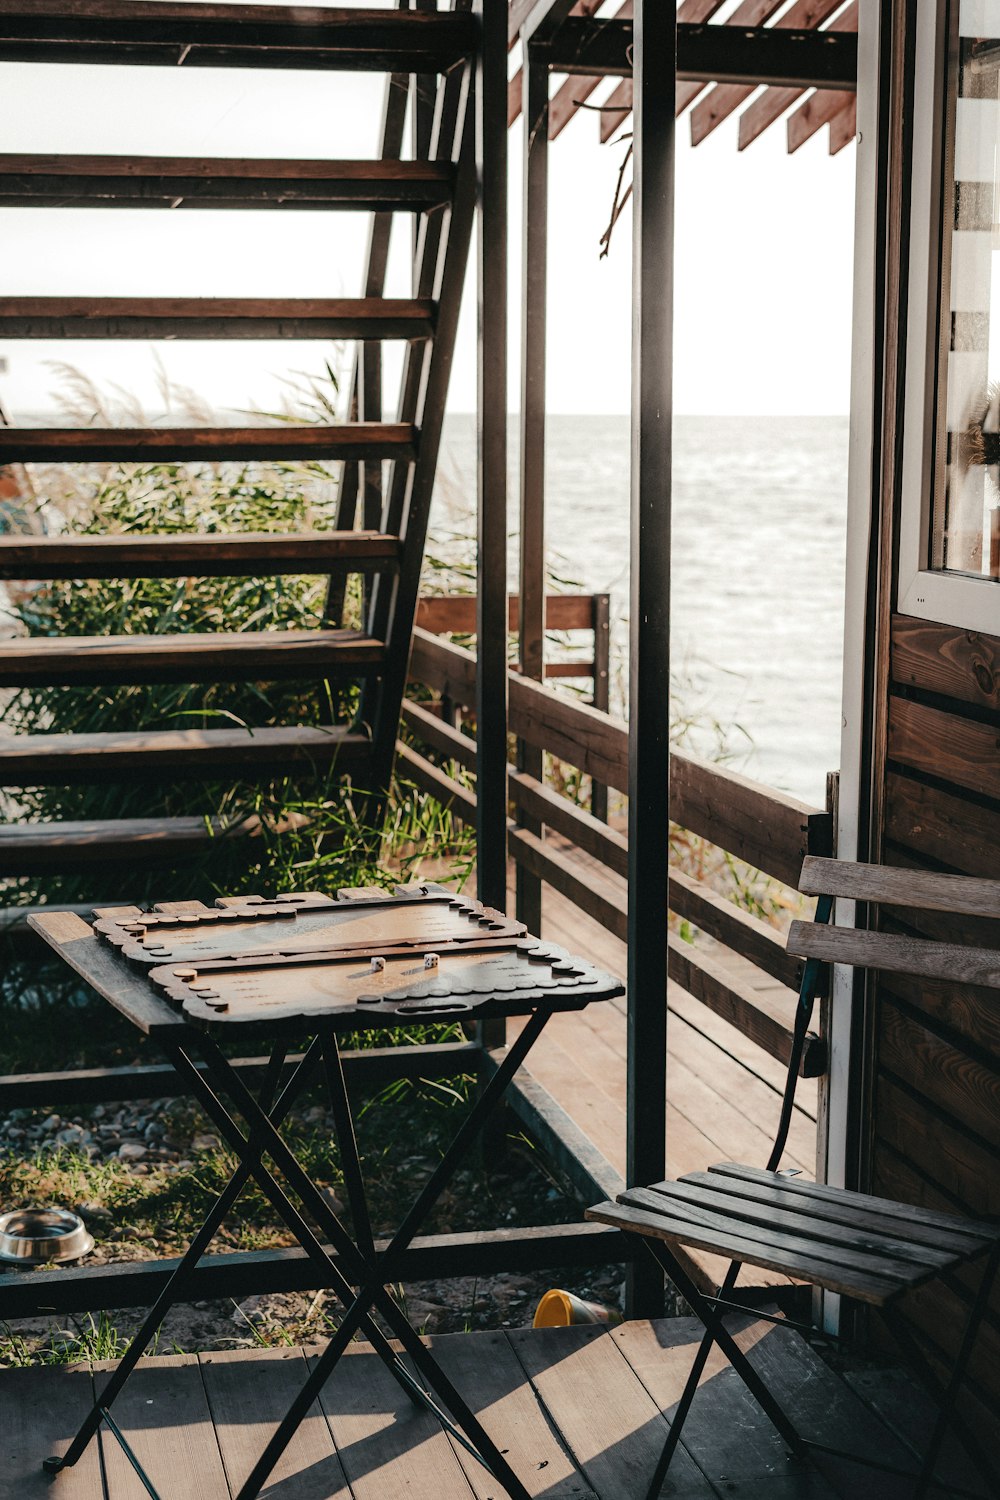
89,1339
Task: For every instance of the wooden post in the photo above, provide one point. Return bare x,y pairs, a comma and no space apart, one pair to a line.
531,617
654,87
491,475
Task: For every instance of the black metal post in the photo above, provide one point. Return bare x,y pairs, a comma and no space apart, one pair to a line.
602,688
491,598
534,273
654,57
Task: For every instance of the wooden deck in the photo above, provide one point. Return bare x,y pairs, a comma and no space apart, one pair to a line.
723,1091
577,1409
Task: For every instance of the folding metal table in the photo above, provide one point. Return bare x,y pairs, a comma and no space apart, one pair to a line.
309,967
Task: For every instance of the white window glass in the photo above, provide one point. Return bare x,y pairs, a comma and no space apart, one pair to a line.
965,513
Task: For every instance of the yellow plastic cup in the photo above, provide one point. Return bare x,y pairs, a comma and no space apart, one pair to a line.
559,1309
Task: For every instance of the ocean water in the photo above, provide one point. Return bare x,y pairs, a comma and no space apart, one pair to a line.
759,520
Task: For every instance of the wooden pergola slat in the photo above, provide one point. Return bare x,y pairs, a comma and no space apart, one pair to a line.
588,46
844,127
818,110
576,91
721,101
773,102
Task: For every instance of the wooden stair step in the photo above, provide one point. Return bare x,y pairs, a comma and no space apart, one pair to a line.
34,848
243,656
159,32
176,555
66,759
344,440
216,317
221,182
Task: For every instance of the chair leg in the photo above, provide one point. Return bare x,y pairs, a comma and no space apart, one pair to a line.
948,1396
690,1388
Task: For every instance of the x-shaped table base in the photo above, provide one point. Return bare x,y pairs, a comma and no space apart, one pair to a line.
360,1273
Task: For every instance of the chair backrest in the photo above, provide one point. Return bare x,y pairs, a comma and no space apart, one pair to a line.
889,885
820,942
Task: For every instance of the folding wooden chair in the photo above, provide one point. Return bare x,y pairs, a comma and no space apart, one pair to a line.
867,1248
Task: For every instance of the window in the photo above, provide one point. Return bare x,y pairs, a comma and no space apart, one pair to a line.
950,542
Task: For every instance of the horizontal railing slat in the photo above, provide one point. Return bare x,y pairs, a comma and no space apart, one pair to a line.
767,829
765,1020
457,612
238,1273
369,1066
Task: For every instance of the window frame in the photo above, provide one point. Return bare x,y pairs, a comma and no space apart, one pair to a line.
946,597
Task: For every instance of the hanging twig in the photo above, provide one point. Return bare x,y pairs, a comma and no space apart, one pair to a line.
622,195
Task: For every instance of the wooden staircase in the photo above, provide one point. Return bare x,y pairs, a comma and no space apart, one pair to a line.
386,466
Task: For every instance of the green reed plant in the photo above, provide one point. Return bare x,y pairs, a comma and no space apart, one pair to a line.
311,830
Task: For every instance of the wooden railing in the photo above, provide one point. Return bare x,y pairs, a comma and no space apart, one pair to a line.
765,830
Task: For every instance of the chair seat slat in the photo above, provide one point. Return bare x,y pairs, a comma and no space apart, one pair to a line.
985,1234
837,1210
873,1289
777,1241
799,1221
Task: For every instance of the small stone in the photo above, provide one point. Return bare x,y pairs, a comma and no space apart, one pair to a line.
206,1142
93,1215
131,1151
50,1124
73,1135
248,1311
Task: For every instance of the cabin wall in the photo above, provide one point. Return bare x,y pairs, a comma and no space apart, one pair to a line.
935,1100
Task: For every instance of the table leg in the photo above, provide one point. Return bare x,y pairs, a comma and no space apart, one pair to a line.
369,1291
343,1120
175,1287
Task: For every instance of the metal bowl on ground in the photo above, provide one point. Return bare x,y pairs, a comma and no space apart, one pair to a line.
33,1236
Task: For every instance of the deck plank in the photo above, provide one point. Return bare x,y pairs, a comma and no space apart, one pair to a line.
825,1410
907,1408
487,1371
580,1412
164,1413
249,1391
725,1433
42,1409
611,1424
390,1448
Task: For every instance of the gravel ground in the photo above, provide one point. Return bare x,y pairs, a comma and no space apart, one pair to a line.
169,1145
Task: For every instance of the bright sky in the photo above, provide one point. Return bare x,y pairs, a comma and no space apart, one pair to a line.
763,268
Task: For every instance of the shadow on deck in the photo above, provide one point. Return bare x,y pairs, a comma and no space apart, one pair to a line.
577,1409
